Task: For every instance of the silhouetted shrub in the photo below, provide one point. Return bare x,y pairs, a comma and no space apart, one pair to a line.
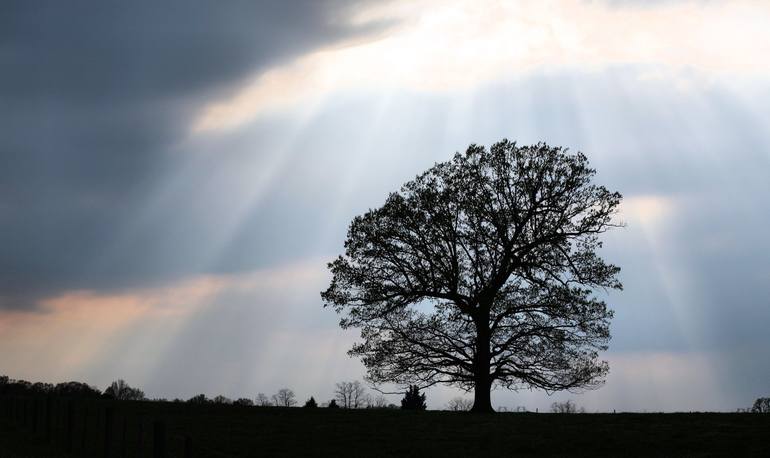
413,400
222,400
76,390
333,404
42,388
246,402
199,399
761,405
310,403
566,407
119,390
460,404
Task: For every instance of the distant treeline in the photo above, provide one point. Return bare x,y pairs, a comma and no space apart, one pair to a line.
348,395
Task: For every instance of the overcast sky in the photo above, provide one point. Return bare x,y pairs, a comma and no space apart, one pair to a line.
175,175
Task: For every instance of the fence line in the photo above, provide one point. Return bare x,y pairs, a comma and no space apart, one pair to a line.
57,421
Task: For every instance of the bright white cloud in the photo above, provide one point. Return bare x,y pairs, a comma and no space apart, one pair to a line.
439,46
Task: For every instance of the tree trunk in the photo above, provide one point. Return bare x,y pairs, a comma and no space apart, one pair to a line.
482,402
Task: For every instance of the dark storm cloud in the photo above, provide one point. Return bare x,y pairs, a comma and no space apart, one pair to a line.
94,96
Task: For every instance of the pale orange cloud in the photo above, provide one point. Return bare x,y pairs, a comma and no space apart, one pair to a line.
73,329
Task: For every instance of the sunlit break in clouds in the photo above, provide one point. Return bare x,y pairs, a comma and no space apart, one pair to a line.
174,179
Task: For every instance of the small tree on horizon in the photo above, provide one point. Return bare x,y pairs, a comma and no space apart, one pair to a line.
310,403
761,405
459,404
378,402
284,398
483,271
262,400
351,395
198,399
566,407
333,404
121,391
413,400
220,399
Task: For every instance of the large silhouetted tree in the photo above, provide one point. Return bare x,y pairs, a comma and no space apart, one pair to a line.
482,272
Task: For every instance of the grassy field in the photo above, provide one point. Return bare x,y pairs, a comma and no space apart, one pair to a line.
223,431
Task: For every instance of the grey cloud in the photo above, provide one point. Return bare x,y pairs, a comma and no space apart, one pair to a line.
95,97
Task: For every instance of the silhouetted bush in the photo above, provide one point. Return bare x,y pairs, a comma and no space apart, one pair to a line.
333,404
199,399
310,403
76,390
121,391
566,407
413,400
761,405
246,402
14,387
42,388
460,405
222,400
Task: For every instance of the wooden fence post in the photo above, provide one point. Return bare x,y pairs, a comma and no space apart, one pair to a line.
47,418
68,442
84,431
35,409
123,439
24,405
159,439
107,430
187,446
141,434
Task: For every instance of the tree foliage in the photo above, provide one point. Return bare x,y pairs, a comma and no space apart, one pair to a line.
284,398
121,391
761,405
262,400
483,271
351,395
459,404
199,399
413,400
220,399
566,407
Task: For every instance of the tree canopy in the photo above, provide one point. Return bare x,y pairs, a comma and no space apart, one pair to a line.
483,271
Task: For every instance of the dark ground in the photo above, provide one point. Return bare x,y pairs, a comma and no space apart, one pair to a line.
223,431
